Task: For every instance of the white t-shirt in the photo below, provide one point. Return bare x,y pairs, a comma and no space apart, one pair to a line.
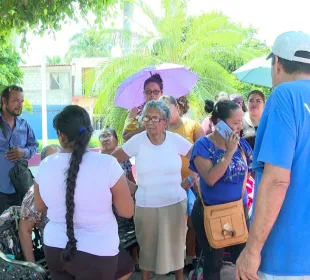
95,226
158,169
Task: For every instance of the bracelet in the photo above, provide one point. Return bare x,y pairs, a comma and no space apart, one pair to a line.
190,180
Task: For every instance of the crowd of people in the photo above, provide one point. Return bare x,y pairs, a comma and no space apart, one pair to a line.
77,194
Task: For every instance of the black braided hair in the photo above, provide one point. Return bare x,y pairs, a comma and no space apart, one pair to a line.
74,122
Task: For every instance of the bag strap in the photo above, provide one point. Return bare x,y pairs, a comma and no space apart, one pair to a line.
3,128
246,172
200,195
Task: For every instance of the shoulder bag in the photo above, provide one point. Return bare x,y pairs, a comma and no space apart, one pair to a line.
225,224
20,174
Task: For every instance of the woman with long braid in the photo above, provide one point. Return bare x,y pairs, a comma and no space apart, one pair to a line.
78,188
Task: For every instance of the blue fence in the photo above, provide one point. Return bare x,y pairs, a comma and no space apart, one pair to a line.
35,119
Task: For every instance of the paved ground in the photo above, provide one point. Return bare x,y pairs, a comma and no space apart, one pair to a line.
137,276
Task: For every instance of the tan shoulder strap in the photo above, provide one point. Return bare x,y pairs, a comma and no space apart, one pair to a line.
200,195
246,172
3,128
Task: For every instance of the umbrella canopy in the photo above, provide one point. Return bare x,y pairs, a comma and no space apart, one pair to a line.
257,71
178,81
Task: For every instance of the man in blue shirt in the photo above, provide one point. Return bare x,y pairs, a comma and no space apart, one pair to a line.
279,239
16,141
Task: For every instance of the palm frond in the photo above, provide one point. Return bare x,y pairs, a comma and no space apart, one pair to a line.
210,45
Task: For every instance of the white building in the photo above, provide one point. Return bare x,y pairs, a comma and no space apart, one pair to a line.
65,84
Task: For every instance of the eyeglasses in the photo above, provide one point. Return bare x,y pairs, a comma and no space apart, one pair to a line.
105,136
150,92
153,119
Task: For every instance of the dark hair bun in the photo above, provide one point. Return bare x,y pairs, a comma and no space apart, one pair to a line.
223,109
209,106
157,77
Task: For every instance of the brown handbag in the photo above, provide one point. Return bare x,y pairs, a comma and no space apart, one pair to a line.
225,224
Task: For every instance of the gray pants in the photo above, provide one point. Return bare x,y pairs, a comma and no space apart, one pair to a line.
264,276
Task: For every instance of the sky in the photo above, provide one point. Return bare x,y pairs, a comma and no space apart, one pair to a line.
269,17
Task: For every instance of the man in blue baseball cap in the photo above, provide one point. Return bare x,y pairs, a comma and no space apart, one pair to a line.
279,240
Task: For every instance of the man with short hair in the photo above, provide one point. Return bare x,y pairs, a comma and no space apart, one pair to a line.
29,217
17,141
278,244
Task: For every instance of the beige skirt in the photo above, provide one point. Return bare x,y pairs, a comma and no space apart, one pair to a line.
161,234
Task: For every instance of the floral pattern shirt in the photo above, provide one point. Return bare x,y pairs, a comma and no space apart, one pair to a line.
229,187
30,214
134,123
127,167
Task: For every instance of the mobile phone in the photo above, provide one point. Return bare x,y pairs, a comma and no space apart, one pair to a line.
221,127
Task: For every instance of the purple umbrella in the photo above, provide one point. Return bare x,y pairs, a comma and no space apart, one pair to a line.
178,81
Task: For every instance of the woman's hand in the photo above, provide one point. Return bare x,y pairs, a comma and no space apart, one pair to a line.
186,184
232,142
195,178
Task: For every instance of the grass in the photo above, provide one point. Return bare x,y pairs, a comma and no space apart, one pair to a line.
93,143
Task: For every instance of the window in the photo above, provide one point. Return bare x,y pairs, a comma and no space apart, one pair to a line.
88,80
59,80
98,122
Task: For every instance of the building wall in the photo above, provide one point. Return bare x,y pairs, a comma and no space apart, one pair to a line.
65,85
58,84
58,95
78,67
35,120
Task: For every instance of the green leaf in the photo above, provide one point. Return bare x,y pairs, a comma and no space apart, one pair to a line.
39,16
211,45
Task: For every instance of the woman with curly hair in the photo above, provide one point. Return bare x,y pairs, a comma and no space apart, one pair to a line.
183,105
192,131
161,200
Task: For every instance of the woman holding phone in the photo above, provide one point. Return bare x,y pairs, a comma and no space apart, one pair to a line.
222,160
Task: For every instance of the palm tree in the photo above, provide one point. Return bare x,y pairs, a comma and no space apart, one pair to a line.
54,60
201,43
90,43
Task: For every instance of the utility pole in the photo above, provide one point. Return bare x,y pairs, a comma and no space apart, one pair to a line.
127,16
44,105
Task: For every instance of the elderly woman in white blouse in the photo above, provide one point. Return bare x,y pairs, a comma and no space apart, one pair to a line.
161,201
